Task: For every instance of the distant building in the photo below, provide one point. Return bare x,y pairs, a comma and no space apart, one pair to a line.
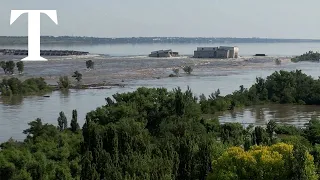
164,53
216,52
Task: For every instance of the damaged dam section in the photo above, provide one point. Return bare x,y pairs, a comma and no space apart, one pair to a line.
21,52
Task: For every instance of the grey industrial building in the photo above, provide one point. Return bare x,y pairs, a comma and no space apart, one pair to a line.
164,53
217,52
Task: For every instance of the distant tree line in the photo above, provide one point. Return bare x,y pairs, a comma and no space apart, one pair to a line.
143,40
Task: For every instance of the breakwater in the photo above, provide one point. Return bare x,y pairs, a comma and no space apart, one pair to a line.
20,52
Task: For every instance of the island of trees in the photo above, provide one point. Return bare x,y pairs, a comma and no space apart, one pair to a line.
156,134
308,56
13,86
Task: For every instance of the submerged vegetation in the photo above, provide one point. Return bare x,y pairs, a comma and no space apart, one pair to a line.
308,56
158,134
77,75
7,66
188,69
90,64
20,67
64,83
32,86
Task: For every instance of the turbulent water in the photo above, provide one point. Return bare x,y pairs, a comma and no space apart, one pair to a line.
135,69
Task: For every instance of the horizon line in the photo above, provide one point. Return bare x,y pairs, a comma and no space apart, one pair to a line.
166,37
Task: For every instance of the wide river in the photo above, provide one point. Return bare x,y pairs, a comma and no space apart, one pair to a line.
17,112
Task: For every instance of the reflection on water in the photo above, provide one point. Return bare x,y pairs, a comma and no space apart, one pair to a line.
14,100
65,93
289,114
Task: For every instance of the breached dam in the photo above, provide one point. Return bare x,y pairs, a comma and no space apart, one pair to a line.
20,52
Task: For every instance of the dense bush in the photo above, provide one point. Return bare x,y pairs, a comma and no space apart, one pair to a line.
8,66
308,56
90,64
14,86
264,162
280,87
64,83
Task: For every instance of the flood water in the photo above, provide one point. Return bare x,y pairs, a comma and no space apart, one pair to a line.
16,113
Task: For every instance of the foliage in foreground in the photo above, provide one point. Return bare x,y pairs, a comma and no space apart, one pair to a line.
278,161
158,134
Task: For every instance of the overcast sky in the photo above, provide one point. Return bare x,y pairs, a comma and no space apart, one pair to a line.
188,18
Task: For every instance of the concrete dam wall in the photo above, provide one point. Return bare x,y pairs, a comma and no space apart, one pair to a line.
19,52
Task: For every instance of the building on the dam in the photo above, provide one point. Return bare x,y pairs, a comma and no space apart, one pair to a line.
216,52
164,53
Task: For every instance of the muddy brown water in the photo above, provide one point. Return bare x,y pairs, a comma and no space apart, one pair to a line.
141,71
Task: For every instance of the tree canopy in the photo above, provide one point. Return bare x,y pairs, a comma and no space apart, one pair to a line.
156,134
14,86
308,56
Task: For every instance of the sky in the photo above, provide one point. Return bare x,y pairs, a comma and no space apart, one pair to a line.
169,18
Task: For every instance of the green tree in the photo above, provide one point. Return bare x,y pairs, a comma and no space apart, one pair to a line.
64,83
264,162
312,131
308,56
14,86
188,69
260,136
10,67
20,66
303,164
232,133
90,64
271,127
74,122
3,66
77,76
62,121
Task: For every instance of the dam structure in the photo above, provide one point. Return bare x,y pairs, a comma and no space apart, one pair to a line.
217,52
164,53
20,52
